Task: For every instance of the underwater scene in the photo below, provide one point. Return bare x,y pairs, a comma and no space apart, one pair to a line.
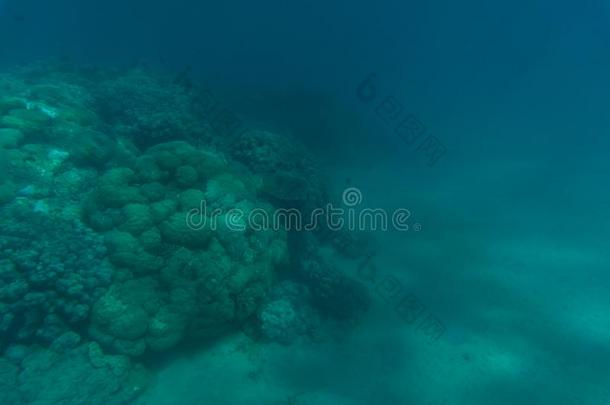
304,203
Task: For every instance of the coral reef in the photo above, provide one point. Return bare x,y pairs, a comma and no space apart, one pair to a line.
288,315
177,279
53,267
149,109
51,273
69,373
335,294
120,235
45,105
290,174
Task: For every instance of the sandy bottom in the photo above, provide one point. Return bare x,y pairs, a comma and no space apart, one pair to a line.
520,286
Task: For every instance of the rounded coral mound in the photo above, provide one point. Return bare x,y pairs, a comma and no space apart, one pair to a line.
178,278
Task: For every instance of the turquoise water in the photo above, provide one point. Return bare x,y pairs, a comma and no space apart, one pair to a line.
161,165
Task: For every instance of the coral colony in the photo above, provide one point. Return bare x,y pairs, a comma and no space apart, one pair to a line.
100,268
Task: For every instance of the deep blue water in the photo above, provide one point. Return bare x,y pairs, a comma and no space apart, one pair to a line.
513,254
